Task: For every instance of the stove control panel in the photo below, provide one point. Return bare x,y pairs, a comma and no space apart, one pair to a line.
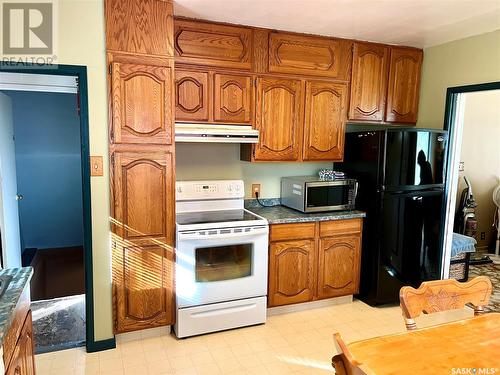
204,190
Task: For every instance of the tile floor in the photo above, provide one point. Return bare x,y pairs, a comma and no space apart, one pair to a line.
292,343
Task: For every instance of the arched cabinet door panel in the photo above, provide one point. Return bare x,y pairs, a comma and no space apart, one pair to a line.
326,115
338,266
143,197
141,106
370,69
291,272
143,286
191,96
232,99
278,119
143,234
404,85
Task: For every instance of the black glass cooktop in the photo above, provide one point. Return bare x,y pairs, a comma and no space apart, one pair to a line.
205,217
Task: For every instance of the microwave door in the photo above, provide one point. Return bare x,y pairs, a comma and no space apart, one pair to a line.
326,197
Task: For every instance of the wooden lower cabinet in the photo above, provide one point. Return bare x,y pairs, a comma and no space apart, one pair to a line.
143,236
22,361
292,276
308,262
338,265
142,286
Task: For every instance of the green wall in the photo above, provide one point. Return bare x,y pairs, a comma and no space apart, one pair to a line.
462,62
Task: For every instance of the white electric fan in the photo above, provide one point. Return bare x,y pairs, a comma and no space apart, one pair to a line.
496,221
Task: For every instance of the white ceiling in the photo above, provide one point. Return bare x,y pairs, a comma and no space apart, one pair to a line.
419,23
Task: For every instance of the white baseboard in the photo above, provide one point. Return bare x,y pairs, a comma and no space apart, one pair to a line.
308,305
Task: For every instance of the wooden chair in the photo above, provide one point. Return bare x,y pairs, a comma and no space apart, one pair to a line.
442,295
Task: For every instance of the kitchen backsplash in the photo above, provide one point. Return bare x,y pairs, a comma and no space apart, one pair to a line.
197,161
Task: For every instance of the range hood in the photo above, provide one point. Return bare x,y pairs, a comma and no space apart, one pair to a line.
215,133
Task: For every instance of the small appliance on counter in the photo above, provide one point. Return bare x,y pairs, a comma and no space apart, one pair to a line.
221,259
315,194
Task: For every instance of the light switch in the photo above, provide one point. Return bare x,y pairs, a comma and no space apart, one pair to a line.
96,166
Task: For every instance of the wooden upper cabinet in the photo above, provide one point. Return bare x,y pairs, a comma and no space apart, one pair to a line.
370,70
143,286
310,55
144,197
339,266
139,27
232,98
191,96
212,44
141,102
278,118
404,85
325,118
291,272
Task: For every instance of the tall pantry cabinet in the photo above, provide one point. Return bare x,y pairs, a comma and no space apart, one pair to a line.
139,44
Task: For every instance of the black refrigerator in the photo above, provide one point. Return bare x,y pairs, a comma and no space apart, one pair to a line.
401,174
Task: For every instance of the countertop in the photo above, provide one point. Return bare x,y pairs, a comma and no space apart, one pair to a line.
282,215
8,302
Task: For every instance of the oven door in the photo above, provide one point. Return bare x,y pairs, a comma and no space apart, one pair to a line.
221,266
328,196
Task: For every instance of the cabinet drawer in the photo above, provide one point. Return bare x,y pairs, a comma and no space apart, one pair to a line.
294,231
339,227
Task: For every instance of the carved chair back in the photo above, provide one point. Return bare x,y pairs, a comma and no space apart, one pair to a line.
442,295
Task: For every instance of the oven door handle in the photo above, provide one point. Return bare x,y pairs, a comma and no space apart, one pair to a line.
222,236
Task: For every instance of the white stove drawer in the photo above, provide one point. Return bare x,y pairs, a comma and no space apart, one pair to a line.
220,316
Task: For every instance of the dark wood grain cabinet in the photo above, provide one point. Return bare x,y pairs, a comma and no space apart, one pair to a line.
311,261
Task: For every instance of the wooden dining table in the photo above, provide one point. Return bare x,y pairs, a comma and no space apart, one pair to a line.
452,348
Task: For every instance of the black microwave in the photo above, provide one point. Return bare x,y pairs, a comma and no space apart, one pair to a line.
311,194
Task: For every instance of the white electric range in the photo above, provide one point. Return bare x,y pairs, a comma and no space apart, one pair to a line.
221,258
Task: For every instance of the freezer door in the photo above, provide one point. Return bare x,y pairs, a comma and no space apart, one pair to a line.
414,160
411,235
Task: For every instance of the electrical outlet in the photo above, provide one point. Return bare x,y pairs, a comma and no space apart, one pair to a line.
255,189
461,166
483,235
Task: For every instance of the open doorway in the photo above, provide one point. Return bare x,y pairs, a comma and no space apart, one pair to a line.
473,119
45,166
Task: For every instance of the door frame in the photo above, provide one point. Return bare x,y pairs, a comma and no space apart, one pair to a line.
454,125
80,72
